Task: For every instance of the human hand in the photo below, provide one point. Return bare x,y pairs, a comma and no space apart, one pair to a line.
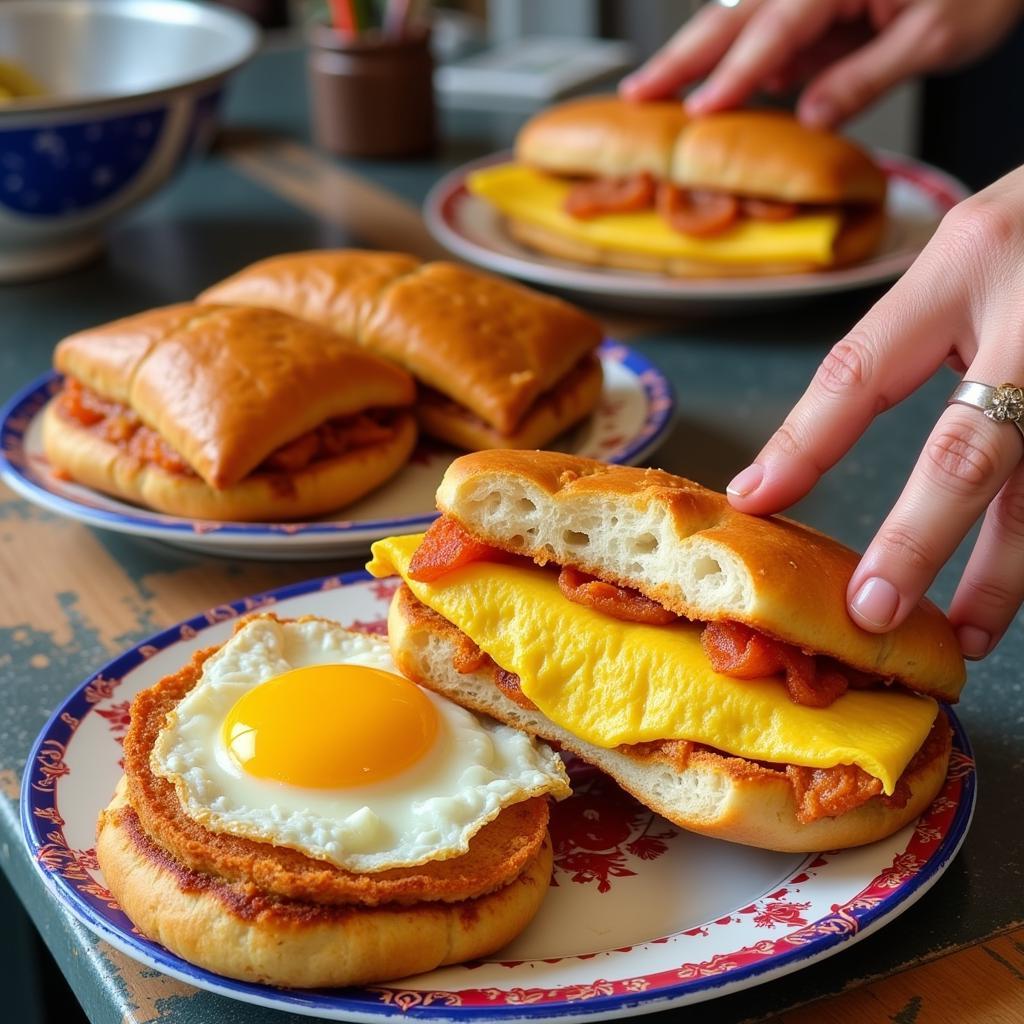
961,303
848,51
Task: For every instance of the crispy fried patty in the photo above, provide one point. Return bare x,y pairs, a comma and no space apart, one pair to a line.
497,854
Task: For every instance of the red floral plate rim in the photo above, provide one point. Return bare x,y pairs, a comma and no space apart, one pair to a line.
70,875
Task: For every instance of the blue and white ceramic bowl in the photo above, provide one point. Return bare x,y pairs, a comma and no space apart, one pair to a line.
132,87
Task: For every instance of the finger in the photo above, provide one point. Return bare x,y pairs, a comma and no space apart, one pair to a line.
965,462
690,54
992,588
776,31
866,373
854,82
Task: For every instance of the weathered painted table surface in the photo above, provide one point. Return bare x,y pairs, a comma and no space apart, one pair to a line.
72,598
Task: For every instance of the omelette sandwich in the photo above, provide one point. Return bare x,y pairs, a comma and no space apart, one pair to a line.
702,657
642,186
498,365
220,413
295,812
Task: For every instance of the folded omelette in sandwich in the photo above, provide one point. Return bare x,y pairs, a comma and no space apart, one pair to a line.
220,413
702,657
642,186
498,365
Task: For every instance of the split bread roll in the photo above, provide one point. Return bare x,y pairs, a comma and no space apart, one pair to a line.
223,413
232,930
701,656
687,548
802,199
508,360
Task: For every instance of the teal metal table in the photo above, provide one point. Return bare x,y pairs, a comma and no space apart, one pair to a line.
72,598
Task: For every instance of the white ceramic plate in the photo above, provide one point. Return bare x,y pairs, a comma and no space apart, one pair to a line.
640,916
632,418
919,195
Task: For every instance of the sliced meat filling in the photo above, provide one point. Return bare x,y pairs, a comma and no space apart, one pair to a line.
697,212
818,792
732,649
120,425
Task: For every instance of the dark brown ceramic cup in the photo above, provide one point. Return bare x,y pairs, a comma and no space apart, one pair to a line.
372,96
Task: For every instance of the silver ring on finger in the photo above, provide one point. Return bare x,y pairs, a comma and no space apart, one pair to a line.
1003,404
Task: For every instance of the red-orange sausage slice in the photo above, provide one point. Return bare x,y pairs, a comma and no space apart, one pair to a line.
589,199
697,213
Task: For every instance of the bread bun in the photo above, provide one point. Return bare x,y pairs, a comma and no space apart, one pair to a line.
714,795
687,548
602,136
568,402
772,155
762,153
323,486
333,287
226,386
234,930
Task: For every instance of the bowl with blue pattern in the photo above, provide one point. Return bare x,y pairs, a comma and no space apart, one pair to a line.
127,91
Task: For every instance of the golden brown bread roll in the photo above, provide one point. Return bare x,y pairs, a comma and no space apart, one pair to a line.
492,347
568,402
705,560
192,409
771,154
337,288
644,187
603,136
234,931
703,657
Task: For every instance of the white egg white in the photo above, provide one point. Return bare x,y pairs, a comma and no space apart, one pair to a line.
428,812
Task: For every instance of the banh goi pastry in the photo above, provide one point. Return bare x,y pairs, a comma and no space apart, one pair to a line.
641,186
499,366
701,657
294,812
221,413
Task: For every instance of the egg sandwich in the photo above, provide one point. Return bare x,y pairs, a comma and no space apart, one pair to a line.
701,657
296,813
219,413
498,365
642,186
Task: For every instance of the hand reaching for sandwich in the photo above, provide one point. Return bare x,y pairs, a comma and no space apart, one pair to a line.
959,303
848,52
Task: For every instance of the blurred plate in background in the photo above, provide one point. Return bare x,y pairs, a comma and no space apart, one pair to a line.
471,228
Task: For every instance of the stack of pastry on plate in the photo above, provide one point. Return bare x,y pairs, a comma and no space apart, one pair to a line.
298,385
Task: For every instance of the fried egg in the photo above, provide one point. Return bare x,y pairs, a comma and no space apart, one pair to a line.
303,734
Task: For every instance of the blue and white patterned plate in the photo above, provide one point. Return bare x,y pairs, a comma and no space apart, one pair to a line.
632,418
627,928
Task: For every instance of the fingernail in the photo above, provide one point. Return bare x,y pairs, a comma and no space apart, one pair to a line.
746,481
818,113
630,81
699,99
876,602
974,642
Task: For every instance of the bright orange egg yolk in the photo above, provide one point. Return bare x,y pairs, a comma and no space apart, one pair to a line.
330,726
